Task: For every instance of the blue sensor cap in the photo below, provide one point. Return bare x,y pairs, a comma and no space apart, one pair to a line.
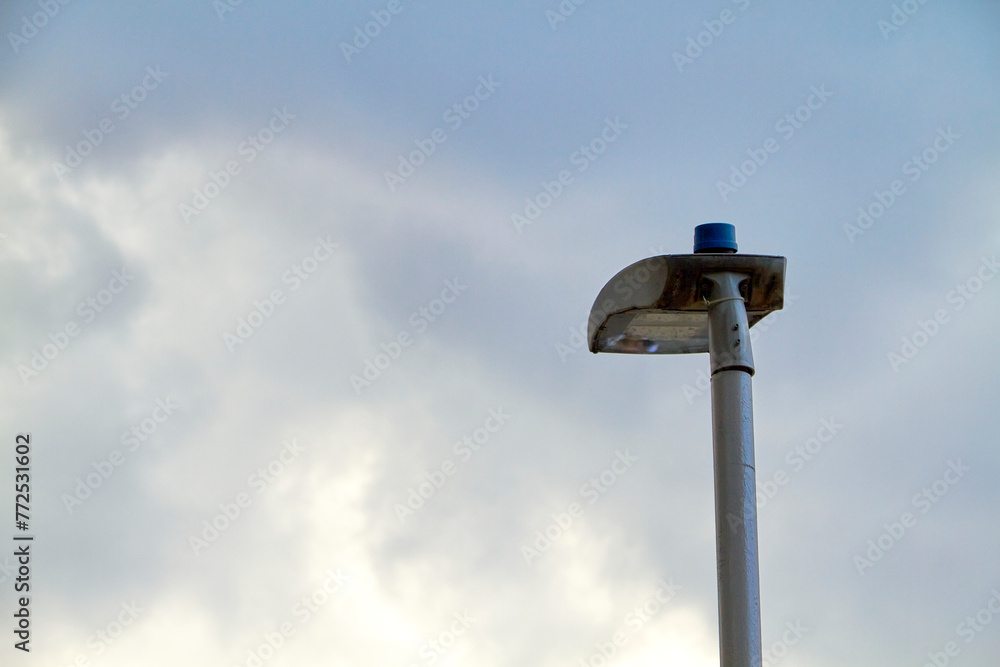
715,237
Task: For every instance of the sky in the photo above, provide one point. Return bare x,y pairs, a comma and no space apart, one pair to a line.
293,296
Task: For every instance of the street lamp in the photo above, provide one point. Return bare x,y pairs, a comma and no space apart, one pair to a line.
707,302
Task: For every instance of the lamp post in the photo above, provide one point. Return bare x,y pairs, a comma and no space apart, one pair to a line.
707,302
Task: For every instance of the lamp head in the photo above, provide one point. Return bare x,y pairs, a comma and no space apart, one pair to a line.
659,306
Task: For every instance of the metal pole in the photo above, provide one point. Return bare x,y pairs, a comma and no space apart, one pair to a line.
735,484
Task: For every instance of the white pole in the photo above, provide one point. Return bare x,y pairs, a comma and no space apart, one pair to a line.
735,484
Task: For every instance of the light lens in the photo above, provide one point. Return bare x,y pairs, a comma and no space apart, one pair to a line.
655,332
